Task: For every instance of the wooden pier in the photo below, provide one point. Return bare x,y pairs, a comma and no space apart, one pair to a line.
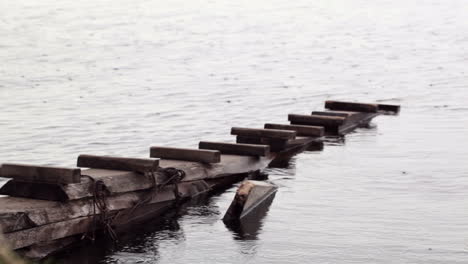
49,208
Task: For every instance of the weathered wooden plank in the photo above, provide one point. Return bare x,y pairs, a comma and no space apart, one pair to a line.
46,174
230,164
276,145
117,163
13,221
197,155
325,121
334,113
263,133
389,108
35,190
115,181
301,130
350,106
236,148
38,213
28,237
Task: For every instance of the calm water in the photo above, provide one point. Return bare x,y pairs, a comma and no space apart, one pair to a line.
115,77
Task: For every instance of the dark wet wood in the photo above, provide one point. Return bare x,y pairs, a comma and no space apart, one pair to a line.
263,133
350,106
117,163
34,190
37,213
276,145
389,108
330,123
301,130
115,181
133,195
45,174
236,149
197,155
249,195
11,221
334,113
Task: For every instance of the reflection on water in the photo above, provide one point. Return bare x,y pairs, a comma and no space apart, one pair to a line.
115,77
250,226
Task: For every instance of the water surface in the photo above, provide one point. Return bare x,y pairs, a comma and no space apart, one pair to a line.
115,77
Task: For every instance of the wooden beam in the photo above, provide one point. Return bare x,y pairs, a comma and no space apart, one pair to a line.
389,108
45,174
236,149
276,145
305,131
326,121
263,133
205,156
349,106
334,113
117,163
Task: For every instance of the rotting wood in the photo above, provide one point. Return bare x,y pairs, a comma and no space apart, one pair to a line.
236,148
301,130
197,155
117,163
263,133
46,174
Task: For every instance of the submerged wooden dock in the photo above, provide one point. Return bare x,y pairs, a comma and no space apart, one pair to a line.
49,208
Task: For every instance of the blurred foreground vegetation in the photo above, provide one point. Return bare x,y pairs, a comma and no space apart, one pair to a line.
6,255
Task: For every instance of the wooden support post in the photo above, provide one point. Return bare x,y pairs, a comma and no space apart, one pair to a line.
236,149
304,131
117,163
349,106
263,133
250,196
205,156
44,174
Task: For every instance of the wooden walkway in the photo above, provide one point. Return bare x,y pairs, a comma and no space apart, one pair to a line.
49,208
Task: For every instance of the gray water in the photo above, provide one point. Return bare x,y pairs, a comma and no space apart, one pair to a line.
115,77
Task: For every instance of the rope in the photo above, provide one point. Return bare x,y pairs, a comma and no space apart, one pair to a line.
100,193
101,215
